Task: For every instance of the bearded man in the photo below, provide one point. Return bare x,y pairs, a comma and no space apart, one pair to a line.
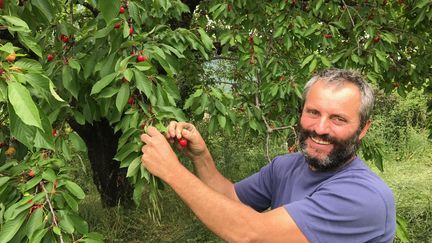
324,193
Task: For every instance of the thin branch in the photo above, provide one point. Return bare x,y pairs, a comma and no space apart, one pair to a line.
90,7
71,11
353,24
51,208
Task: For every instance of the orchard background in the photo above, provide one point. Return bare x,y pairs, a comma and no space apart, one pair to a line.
80,80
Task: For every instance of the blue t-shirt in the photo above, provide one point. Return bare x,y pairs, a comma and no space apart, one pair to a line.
350,205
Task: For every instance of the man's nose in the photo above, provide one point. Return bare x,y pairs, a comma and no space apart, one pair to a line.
322,126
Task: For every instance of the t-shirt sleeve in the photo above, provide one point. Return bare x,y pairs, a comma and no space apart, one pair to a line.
346,211
255,190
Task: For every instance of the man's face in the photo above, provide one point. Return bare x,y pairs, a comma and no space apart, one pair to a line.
329,131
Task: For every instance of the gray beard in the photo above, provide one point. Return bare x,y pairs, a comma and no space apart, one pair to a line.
343,152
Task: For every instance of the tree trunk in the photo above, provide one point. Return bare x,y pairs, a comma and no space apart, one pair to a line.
109,179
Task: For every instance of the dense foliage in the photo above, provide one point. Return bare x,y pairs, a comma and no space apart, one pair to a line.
89,76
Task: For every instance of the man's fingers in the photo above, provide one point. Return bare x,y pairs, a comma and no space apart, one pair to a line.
145,138
152,131
171,129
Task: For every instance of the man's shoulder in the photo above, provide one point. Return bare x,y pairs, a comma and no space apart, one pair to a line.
359,180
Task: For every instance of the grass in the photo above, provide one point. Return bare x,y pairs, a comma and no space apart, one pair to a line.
408,173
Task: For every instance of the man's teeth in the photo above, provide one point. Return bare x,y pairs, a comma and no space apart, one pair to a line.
319,141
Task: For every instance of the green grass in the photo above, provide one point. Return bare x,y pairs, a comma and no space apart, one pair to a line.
408,172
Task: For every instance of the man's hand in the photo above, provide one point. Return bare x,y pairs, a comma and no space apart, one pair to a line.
158,156
196,146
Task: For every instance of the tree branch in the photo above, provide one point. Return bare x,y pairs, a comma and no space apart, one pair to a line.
51,209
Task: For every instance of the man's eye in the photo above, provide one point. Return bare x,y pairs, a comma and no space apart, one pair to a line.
340,120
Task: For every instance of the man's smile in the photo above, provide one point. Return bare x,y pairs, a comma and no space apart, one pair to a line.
320,141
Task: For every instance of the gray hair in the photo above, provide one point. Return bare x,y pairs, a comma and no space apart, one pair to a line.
339,76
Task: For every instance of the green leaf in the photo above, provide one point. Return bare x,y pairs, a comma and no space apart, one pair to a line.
279,31
207,41
126,150
54,93
307,60
325,61
133,167
122,96
15,21
3,180
221,120
109,9
56,230
144,84
22,132
11,227
422,3
35,222
104,31
30,43
38,235
80,225
138,191
105,81
23,104
69,82
49,175
170,86
77,142
74,64
220,107
313,65
73,204
32,183
45,7
75,189
43,138
93,237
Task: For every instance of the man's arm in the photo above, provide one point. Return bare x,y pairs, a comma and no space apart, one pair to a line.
229,219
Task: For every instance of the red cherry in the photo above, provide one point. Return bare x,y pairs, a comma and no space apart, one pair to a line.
117,25
183,142
64,38
131,30
54,132
50,57
131,100
328,36
141,58
376,39
31,173
122,10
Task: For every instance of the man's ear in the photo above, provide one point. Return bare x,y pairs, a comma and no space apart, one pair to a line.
365,129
